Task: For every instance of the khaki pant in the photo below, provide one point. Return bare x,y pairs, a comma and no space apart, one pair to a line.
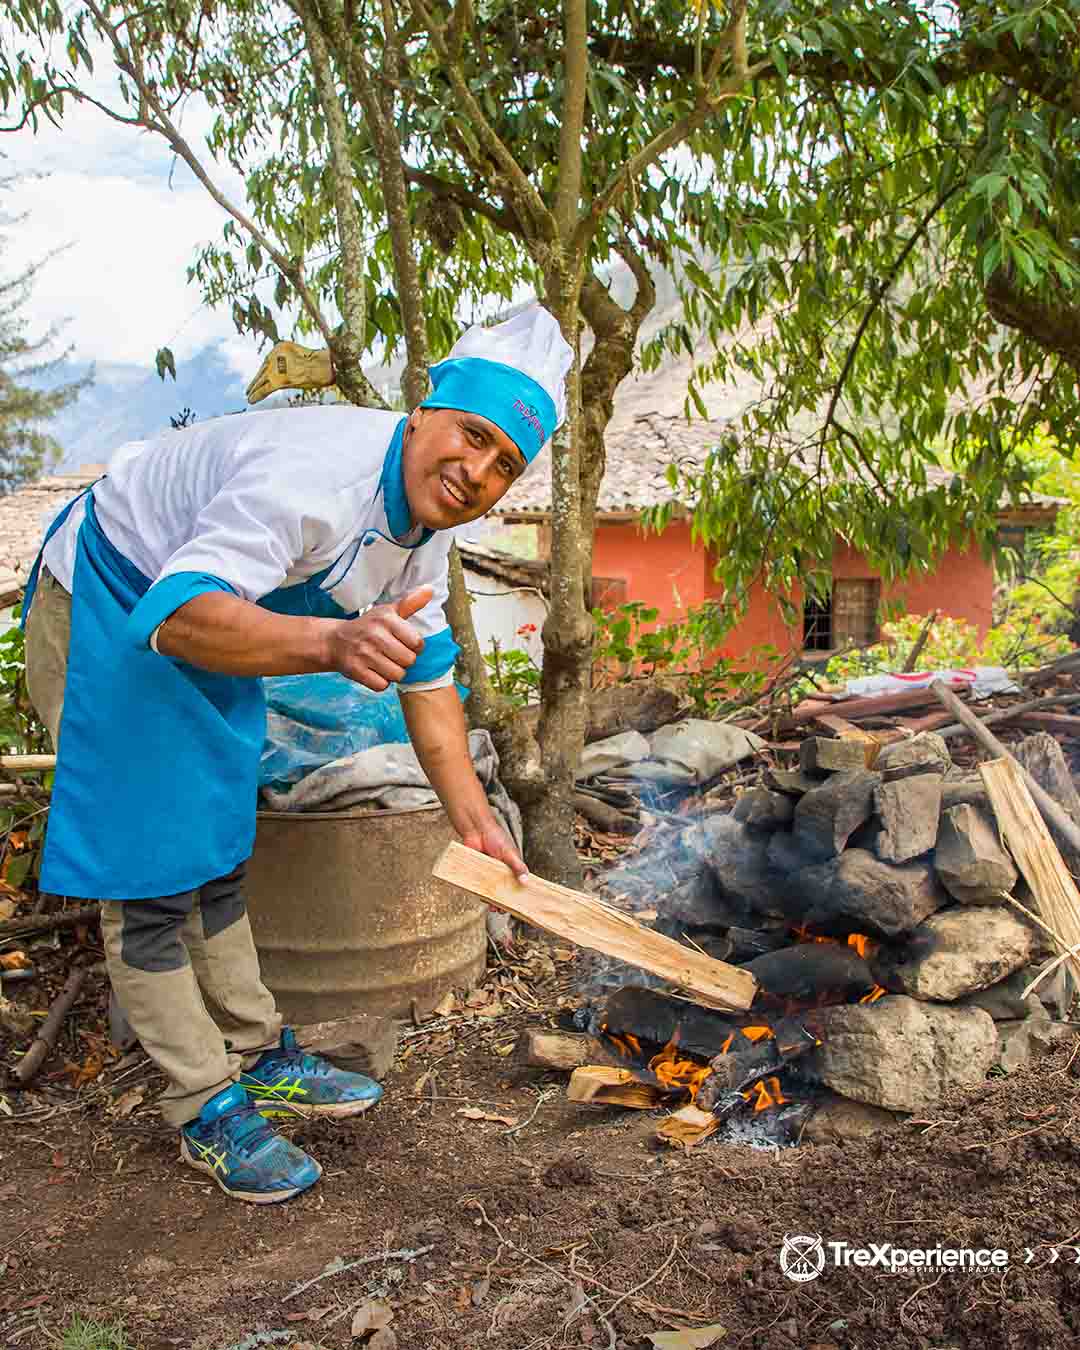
183,967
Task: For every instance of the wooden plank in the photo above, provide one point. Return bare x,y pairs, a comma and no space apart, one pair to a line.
1025,835
556,1050
1054,814
588,922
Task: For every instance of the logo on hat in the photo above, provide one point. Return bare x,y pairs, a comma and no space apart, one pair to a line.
530,415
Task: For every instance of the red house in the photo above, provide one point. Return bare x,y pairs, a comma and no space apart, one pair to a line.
673,574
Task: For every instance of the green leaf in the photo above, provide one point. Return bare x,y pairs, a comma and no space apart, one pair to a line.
165,363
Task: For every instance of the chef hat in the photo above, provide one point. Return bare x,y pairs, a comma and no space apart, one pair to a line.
513,374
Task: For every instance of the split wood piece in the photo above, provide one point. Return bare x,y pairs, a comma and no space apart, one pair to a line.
848,731
28,1067
604,1085
920,643
362,1043
27,763
830,754
556,1050
1017,711
1029,841
45,923
688,1126
1055,816
590,923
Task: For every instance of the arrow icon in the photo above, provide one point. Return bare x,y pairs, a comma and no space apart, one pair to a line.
1054,1254
1031,1256
1076,1259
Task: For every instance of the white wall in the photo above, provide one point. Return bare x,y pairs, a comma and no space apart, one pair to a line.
498,611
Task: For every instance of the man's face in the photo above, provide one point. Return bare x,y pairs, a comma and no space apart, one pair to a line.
456,466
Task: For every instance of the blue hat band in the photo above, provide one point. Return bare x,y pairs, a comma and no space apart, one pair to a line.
514,402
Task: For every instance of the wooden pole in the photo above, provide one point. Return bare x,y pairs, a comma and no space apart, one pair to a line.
27,763
1055,816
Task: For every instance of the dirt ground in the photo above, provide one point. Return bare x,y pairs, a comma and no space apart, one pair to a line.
575,1231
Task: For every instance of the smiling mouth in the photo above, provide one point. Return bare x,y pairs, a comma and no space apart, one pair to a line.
455,492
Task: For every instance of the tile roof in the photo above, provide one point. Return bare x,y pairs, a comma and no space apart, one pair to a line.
639,451
23,515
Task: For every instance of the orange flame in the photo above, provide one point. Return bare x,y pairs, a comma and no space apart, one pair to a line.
678,1074
874,994
865,946
765,1093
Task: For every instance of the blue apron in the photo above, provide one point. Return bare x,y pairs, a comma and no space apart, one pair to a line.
157,769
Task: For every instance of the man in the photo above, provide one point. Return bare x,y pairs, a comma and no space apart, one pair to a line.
281,542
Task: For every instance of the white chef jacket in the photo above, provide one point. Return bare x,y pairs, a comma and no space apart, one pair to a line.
265,500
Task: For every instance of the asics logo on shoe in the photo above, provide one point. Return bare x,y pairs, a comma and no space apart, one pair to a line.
206,1152
281,1089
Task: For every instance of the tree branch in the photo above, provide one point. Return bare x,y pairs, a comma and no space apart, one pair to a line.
575,76
882,290
1055,327
130,63
347,346
519,190
464,197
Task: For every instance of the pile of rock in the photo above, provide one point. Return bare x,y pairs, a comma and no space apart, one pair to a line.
906,854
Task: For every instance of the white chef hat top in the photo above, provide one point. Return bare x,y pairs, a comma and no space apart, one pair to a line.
521,384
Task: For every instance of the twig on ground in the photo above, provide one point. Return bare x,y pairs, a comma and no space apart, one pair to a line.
27,1068
589,1300
543,1097
339,1267
654,1276
66,918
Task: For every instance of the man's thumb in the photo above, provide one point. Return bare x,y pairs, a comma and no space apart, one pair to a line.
414,601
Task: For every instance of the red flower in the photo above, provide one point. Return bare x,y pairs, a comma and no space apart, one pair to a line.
526,629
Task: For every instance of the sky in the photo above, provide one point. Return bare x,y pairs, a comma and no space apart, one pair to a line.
124,220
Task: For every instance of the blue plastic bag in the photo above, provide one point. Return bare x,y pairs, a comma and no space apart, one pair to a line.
311,720
314,719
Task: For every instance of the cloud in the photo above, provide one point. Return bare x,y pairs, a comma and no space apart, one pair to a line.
125,218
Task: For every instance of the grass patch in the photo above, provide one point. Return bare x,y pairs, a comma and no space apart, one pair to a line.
83,1333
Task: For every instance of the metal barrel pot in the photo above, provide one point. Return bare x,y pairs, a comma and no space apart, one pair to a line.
347,917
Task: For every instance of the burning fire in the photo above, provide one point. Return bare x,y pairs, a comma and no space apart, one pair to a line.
766,1092
865,946
872,997
675,1073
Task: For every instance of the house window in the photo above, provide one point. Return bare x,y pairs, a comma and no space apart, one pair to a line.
817,623
607,593
855,606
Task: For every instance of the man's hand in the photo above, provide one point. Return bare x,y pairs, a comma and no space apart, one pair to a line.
378,648
289,366
492,839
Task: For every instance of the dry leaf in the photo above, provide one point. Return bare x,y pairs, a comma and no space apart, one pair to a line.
371,1316
14,961
128,1101
445,1006
384,1339
475,1113
7,907
699,1339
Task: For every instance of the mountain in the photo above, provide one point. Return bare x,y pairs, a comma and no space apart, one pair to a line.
126,402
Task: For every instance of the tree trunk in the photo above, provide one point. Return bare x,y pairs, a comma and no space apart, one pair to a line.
567,633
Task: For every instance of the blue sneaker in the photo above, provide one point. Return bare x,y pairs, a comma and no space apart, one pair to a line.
286,1082
231,1142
